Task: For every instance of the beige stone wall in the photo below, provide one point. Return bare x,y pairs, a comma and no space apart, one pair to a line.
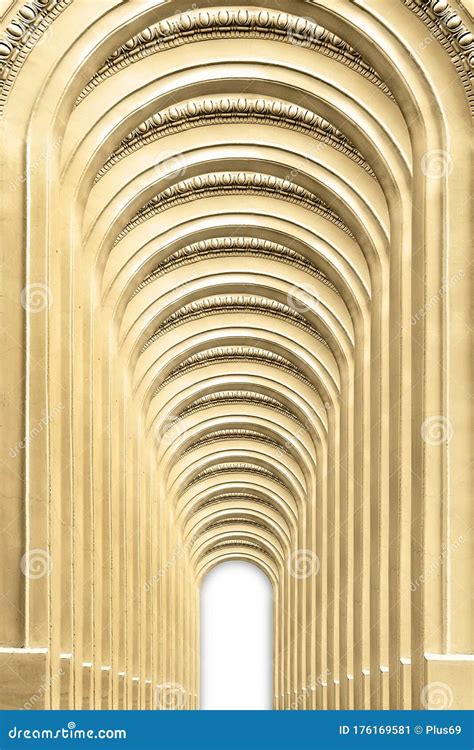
236,287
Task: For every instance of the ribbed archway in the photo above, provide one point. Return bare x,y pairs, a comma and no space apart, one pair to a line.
239,237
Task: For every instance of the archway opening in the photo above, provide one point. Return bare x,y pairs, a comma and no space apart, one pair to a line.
236,638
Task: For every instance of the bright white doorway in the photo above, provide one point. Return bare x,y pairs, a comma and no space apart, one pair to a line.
236,638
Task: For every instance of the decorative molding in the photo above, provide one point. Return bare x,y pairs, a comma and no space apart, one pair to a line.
197,113
221,23
451,32
238,520
34,18
234,433
240,303
22,34
240,543
235,246
219,398
235,497
234,354
235,466
231,183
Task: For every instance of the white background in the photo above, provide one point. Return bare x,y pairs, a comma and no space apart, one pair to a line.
236,638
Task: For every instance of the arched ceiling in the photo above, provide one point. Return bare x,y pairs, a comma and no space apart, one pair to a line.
236,204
